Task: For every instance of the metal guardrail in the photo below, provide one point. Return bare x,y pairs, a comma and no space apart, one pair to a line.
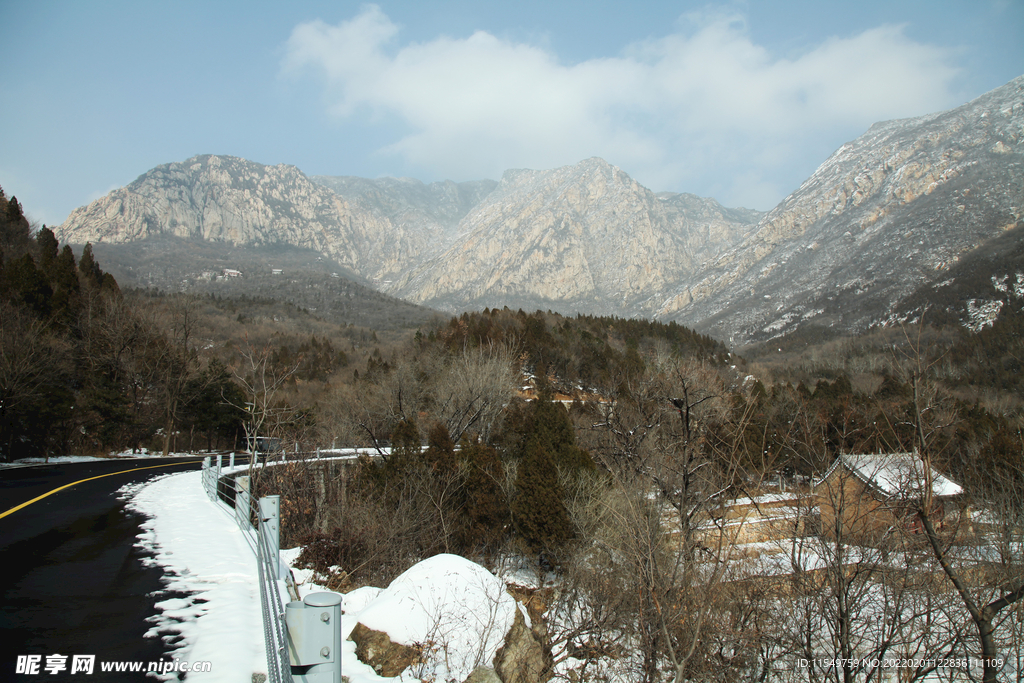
302,638
260,523
275,632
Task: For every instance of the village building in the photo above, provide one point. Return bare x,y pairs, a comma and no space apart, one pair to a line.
767,517
865,498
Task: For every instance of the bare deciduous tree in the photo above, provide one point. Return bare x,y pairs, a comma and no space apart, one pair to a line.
261,380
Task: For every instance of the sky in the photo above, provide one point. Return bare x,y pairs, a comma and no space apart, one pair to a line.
739,101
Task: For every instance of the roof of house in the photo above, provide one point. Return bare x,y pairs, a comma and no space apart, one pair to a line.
894,474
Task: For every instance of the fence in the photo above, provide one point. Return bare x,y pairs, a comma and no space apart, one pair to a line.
302,638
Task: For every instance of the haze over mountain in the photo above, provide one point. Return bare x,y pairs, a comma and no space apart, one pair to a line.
887,214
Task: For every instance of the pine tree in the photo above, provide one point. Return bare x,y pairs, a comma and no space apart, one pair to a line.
546,449
539,515
405,450
485,507
88,267
47,243
440,453
15,233
64,280
28,285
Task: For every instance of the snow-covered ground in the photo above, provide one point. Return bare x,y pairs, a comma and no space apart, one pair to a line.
124,455
206,557
25,462
448,601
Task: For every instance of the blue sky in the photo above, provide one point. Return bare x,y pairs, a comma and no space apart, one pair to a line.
738,101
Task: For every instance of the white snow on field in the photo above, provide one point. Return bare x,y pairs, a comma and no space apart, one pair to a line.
205,555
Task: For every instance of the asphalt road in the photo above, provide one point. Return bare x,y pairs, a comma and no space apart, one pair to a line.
73,582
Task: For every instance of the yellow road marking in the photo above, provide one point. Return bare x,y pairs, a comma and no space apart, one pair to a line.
99,476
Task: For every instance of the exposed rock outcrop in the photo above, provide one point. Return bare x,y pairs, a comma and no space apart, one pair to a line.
886,213
522,657
586,235
226,199
387,658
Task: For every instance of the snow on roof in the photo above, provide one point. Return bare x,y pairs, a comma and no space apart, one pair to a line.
894,474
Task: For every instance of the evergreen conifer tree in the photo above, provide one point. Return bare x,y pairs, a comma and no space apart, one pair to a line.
539,514
48,246
29,286
405,449
440,453
546,448
88,267
485,507
64,280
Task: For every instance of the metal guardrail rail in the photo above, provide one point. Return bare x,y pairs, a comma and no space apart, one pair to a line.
259,520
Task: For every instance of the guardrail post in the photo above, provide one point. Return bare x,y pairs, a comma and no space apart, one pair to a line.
314,638
232,461
242,503
270,516
206,476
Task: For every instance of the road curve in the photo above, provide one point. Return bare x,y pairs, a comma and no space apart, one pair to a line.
73,581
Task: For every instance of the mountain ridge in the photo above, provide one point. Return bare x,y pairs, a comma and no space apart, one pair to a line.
885,214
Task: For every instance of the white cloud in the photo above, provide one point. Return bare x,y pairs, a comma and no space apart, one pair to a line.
698,108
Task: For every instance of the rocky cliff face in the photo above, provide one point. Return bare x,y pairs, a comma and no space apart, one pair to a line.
584,238
226,199
887,213
437,207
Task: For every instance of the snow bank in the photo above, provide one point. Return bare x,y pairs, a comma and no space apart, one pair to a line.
206,557
454,606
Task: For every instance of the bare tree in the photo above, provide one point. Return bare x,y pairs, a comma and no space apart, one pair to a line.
653,441
180,362
471,390
32,362
120,349
261,380
988,574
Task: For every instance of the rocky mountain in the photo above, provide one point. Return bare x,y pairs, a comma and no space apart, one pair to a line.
434,208
579,238
885,218
887,215
231,200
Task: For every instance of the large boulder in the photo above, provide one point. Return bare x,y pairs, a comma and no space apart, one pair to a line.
377,650
452,611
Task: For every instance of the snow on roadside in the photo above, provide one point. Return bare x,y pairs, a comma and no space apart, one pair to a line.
205,556
454,604
25,462
61,459
447,600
